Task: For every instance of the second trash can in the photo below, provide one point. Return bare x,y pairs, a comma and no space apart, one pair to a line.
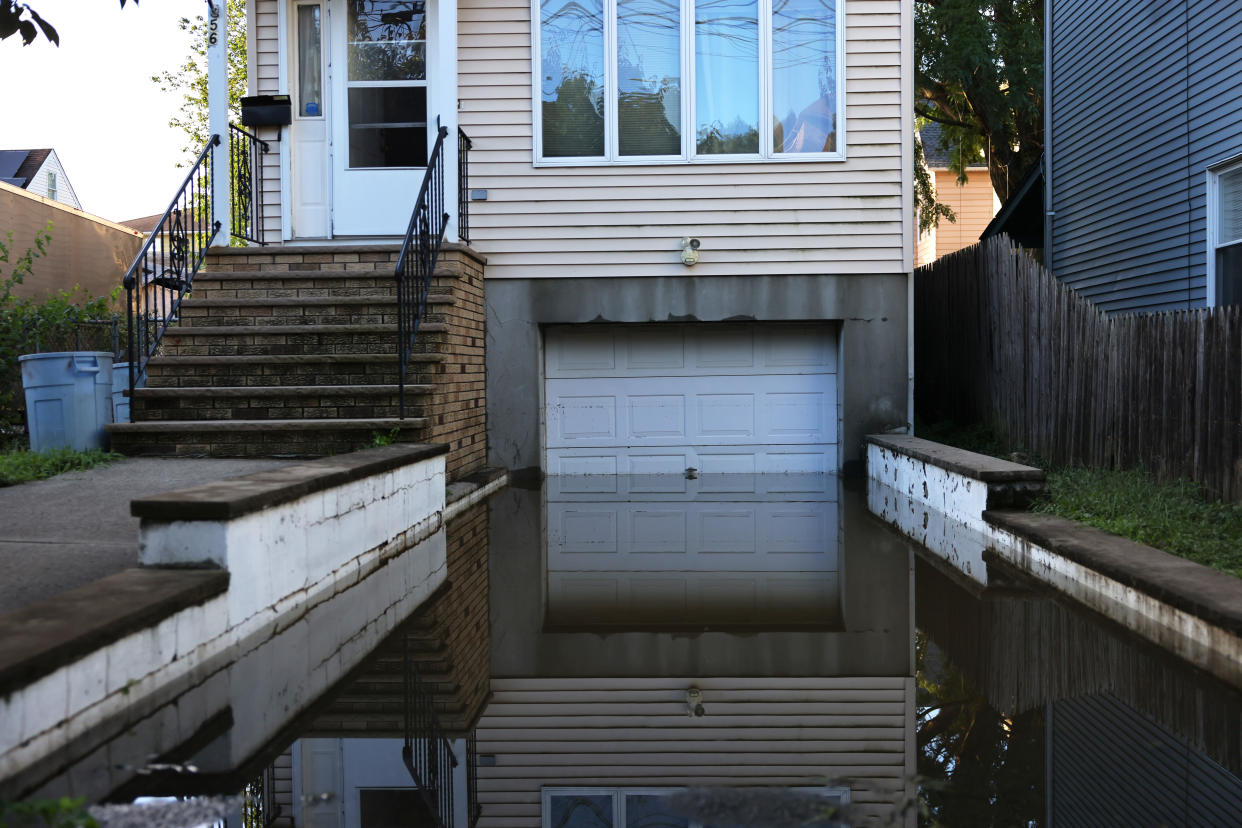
68,399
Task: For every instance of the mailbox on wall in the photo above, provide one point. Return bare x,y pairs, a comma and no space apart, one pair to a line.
266,110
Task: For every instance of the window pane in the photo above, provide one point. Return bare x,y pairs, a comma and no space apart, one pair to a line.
649,77
388,126
1230,204
804,77
726,59
647,811
392,808
572,77
1229,275
310,61
387,40
580,811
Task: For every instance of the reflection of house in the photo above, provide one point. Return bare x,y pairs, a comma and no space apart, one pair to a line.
600,661
974,202
1143,209
726,126
38,171
86,250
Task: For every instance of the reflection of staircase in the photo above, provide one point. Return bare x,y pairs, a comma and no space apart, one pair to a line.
292,352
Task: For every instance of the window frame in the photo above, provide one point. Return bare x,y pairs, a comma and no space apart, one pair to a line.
618,794
612,156
1214,172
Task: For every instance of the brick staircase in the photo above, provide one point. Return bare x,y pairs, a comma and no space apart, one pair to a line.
292,352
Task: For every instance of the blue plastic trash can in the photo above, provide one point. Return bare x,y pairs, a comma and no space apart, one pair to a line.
120,384
68,399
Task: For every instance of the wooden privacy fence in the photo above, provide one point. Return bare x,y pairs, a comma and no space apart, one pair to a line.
998,340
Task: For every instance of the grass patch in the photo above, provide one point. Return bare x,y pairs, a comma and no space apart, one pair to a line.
1178,517
23,465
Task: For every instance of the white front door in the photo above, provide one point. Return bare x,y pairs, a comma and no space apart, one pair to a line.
379,124
309,187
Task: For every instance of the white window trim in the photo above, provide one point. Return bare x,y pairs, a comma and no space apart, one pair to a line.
618,795
688,156
1214,173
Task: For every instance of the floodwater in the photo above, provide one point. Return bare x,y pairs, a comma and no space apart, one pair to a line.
669,653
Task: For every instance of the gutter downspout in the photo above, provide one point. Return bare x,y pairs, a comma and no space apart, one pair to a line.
1049,210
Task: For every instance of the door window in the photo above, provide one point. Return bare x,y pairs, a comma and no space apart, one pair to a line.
386,84
310,61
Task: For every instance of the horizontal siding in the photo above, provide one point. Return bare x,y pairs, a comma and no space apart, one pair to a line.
1144,99
627,220
973,205
636,733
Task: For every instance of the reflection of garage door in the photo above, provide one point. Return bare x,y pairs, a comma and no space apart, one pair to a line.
721,398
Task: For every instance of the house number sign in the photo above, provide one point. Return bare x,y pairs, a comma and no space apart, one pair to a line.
213,26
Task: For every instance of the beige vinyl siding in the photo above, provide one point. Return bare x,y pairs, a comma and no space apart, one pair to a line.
266,69
634,732
625,220
974,204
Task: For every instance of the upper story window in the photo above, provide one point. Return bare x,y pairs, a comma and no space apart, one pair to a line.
1225,235
650,81
645,808
51,185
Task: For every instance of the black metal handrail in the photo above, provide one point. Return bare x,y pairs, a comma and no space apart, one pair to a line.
473,809
417,262
425,751
246,184
463,185
164,268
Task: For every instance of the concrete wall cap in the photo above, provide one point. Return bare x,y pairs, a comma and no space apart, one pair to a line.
1209,595
966,463
239,496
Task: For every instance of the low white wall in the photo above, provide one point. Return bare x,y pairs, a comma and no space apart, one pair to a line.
957,497
284,561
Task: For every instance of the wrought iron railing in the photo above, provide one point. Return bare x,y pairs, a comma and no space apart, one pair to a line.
164,268
417,261
463,185
473,809
246,184
426,752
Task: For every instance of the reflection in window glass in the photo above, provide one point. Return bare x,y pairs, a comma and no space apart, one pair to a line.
647,811
572,77
310,62
580,811
804,79
726,55
387,40
648,77
387,126
1228,252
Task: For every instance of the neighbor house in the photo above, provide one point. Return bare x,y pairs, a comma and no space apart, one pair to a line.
973,201
1143,174
696,217
38,171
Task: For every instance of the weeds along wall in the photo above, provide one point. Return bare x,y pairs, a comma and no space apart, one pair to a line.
999,341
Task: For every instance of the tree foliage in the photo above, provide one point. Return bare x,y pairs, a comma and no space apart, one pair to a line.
19,19
979,73
190,78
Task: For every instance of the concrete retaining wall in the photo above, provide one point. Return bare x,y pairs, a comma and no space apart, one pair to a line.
290,539
969,509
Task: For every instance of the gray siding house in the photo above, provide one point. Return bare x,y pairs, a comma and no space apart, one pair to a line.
1144,144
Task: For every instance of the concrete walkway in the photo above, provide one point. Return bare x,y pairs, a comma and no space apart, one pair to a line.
69,530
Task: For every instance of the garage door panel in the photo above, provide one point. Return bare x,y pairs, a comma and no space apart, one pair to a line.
670,350
677,487
716,465
647,411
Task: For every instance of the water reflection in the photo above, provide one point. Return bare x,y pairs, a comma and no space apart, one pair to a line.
663,651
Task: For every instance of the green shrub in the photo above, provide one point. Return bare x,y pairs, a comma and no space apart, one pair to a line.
30,325
22,465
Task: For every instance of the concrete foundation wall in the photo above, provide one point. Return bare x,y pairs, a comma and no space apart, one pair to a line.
871,311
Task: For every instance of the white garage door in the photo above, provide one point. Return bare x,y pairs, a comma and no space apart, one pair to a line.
723,398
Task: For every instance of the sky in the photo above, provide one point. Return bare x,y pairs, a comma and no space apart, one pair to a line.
92,100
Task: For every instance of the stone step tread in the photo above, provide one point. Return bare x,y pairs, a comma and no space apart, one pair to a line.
280,391
219,426
287,359
312,301
298,330
326,273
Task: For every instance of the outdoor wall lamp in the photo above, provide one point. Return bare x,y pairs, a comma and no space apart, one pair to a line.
694,702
